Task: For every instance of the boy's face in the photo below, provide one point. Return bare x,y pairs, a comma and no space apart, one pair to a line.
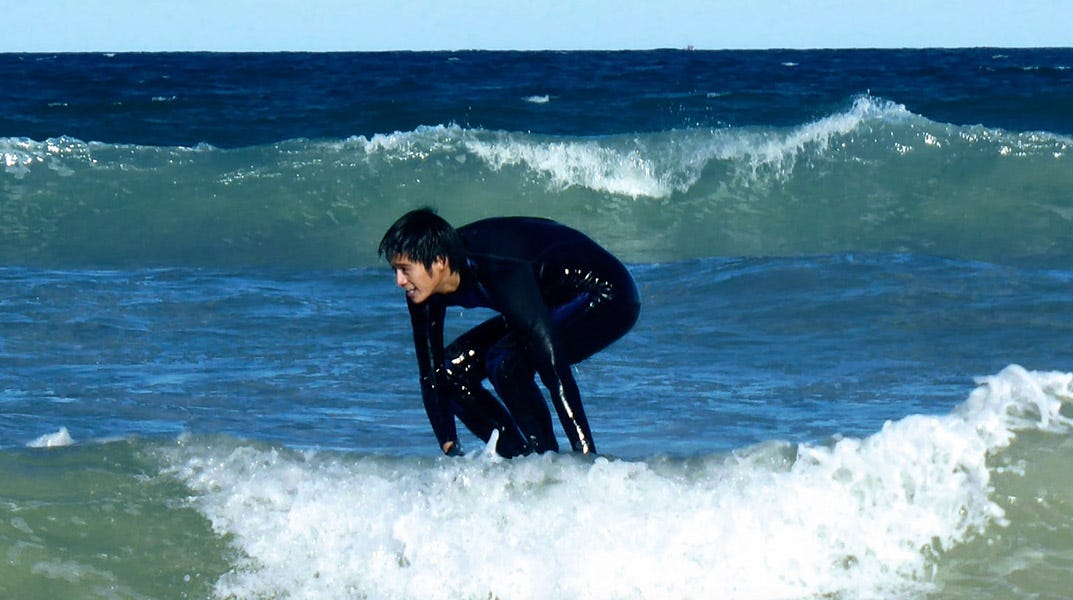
420,283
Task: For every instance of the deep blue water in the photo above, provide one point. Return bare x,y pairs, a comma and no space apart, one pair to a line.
229,100
850,377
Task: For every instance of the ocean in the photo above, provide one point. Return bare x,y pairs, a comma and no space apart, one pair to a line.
852,376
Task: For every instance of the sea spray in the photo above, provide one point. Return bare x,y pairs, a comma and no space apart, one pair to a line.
52,440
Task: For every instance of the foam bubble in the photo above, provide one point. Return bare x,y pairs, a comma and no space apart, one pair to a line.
53,440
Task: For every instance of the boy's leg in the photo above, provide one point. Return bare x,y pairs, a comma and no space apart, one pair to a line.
475,406
514,381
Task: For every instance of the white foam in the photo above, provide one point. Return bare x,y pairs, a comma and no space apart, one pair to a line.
779,152
53,440
19,156
859,518
592,164
419,143
659,165
643,165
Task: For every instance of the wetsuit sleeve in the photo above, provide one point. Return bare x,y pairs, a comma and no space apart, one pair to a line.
427,321
517,294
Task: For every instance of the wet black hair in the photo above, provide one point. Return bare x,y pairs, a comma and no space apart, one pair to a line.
422,236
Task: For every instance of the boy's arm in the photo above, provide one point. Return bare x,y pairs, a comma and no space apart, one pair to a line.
427,321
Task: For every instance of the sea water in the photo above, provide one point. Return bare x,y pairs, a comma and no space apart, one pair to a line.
851,377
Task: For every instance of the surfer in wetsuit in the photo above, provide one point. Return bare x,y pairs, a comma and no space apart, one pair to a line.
560,297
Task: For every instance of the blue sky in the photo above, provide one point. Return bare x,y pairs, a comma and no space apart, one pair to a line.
319,25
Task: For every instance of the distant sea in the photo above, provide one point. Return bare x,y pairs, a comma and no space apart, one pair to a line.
851,377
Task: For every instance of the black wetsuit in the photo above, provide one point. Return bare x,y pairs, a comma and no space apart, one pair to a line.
560,298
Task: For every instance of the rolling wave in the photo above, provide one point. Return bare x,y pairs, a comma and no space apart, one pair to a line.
873,178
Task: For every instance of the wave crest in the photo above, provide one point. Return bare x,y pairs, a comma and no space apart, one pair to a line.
872,178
